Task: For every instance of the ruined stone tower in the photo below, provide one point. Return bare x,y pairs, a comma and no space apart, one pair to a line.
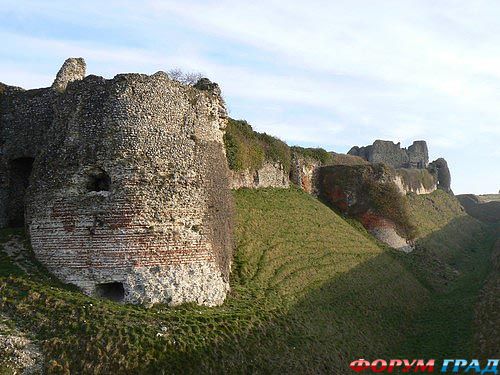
390,153
123,184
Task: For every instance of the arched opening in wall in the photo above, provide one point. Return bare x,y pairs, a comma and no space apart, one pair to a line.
113,291
20,172
98,180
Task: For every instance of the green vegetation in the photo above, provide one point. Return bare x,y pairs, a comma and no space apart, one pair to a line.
328,158
484,209
452,261
489,198
247,149
319,154
487,319
374,195
386,200
310,293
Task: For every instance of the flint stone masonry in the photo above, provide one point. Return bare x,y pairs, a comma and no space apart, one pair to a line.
271,174
390,153
440,168
129,183
73,69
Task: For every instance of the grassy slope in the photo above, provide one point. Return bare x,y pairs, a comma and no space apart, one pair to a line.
452,260
310,292
487,317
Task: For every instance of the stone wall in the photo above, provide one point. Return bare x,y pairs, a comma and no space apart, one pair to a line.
440,168
25,117
304,173
129,195
390,153
271,174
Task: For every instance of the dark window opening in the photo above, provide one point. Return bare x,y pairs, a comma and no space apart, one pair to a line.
113,291
98,180
20,172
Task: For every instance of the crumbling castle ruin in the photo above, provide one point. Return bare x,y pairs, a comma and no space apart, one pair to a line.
390,153
415,156
122,183
124,187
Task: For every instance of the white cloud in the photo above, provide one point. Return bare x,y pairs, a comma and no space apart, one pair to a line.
356,70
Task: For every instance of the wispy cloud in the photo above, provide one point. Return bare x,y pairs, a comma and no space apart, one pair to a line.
320,73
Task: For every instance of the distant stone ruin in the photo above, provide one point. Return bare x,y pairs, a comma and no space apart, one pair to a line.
122,184
415,156
390,153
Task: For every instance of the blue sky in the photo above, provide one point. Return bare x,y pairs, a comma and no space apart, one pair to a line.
329,74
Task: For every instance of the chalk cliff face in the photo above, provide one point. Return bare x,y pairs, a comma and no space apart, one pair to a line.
129,192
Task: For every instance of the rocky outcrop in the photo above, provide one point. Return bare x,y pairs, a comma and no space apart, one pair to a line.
441,170
385,231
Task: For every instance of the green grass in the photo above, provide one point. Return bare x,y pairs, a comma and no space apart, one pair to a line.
310,293
487,319
489,198
452,260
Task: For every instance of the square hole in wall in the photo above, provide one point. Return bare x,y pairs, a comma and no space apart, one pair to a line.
113,291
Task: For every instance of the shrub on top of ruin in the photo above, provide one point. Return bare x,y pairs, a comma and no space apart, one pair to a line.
276,150
243,148
247,149
186,78
319,154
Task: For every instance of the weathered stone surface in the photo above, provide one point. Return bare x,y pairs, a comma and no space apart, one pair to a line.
386,232
304,173
417,181
390,153
129,185
271,174
440,167
73,69
25,117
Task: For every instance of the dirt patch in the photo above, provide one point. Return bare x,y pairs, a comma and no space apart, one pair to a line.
18,354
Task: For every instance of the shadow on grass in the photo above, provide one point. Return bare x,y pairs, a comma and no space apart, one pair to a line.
418,305
388,305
